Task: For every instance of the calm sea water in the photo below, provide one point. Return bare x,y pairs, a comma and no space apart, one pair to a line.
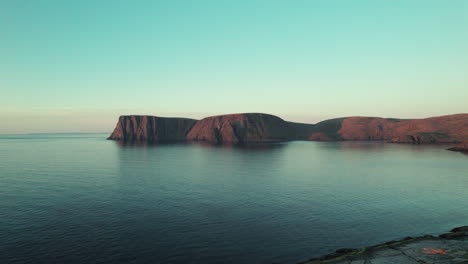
78,198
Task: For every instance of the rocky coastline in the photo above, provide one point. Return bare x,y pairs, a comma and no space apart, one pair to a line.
259,127
448,248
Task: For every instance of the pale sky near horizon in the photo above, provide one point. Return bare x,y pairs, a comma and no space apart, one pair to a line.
75,66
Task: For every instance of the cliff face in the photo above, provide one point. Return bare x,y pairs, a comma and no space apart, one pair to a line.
256,127
327,130
443,129
151,128
238,128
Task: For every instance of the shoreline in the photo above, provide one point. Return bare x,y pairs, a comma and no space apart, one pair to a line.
463,148
450,248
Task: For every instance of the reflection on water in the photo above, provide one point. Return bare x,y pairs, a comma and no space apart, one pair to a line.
143,144
84,199
245,146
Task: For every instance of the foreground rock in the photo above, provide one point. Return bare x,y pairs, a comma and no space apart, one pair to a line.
151,128
449,248
258,127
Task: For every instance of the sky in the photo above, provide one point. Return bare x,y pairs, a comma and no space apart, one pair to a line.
75,66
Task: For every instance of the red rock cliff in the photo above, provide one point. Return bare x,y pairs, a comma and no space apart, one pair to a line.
257,127
238,128
442,129
151,128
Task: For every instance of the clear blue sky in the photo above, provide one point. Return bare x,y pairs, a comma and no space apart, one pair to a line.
78,65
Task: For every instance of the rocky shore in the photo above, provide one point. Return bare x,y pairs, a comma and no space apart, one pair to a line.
448,248
460,148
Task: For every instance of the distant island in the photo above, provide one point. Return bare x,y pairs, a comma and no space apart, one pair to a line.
259,127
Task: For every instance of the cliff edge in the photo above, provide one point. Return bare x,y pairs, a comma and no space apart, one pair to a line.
151,128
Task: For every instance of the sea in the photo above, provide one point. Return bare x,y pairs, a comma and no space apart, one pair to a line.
79,198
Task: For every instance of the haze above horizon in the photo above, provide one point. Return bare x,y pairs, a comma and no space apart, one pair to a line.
75,66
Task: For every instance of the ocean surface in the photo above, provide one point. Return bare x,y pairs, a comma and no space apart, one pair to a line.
79,198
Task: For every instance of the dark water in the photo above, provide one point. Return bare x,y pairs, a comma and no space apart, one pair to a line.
79,198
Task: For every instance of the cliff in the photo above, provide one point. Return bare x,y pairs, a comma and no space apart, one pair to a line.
151,128
242,128
258,127
442,129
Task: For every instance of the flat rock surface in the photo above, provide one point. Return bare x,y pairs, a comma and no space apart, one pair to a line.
450,248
